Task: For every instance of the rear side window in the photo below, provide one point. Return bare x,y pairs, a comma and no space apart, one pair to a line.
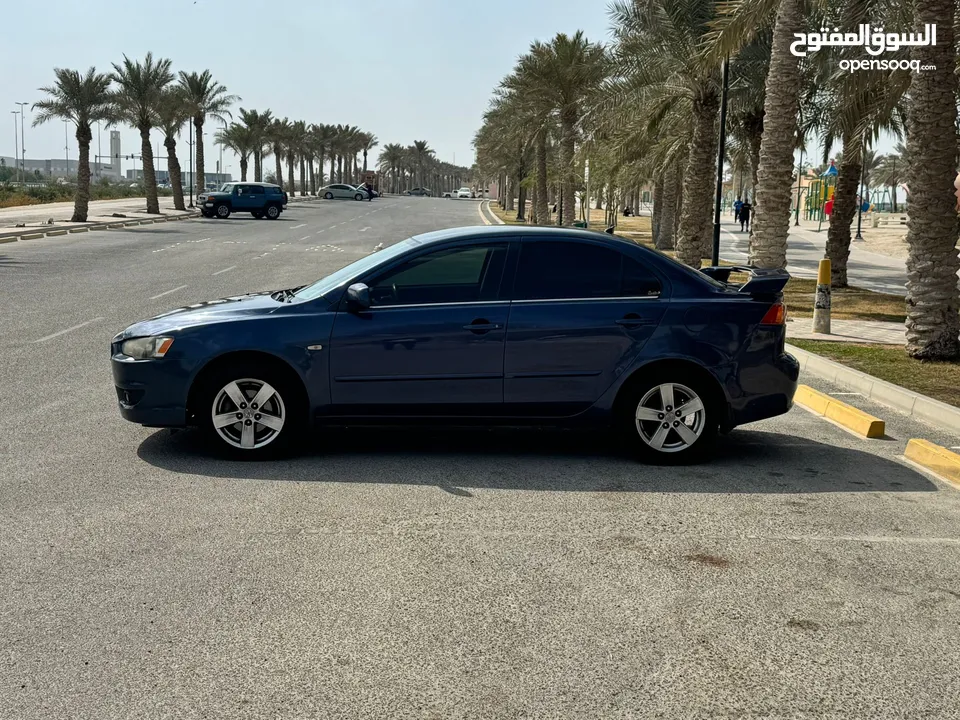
562,270
256,190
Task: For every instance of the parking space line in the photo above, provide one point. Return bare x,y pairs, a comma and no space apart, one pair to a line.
168,292
305,238
297,227
69,329
232,267
332,227
319,232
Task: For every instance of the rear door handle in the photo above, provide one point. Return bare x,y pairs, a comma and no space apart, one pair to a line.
633,320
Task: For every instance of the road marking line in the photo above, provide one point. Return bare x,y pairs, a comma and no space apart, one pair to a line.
305,238
232,267
364,229
297,227
332,227
168,292
319,232
69,329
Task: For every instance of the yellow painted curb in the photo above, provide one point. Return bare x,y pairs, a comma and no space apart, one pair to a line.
850,417
935,458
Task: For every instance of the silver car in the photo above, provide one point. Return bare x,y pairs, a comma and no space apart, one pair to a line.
342,192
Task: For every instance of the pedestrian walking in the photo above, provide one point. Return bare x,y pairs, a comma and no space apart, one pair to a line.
736,209
745,216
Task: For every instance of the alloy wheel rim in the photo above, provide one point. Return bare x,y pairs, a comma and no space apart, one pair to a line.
272,211
248,413
670,417
222,211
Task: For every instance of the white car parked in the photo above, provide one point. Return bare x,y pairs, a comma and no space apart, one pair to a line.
464,192
343,192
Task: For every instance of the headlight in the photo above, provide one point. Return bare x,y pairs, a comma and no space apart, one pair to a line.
146,347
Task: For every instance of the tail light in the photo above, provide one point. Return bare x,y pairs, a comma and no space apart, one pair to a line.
776,315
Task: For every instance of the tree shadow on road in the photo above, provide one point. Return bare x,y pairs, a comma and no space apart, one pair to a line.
746,461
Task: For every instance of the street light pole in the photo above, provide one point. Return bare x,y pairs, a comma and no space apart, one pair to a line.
16,145
23,149
66,146
859,196
715,258
190,143
796,221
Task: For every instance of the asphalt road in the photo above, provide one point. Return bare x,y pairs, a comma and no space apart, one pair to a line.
804,572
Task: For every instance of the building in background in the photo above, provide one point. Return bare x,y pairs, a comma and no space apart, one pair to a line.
163,178
59,168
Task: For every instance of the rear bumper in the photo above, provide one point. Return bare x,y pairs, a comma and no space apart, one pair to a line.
150,392
766,391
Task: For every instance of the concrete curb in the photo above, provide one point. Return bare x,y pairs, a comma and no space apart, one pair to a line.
487,214
934,458
107,225
852,418
913,404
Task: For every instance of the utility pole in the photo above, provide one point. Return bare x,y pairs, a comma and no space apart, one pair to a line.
16,144
715,256
190,142
23,149
66,145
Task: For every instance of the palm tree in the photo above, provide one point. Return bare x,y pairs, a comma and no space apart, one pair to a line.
82,100
890,172
206,97
258,123
324,136
296,148
422,154
172,112
278,135
391,161
242,140
368,141
933,321
139,93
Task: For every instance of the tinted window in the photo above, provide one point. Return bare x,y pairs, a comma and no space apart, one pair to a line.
468,274
556,270
255,190
637,281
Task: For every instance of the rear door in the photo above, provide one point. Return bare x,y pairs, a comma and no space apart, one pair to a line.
581,312
256,200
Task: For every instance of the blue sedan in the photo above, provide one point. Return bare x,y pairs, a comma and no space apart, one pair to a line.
495,325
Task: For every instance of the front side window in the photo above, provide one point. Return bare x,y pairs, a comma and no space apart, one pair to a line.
465,274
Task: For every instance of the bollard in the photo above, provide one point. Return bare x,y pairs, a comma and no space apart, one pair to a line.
821,301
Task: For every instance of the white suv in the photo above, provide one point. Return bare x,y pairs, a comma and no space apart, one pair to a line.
464,192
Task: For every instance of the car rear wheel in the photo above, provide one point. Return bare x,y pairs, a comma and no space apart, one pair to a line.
222,211
273,212
669,418
251,411
328,195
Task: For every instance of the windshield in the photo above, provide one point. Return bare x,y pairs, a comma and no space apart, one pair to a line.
332,282
228,188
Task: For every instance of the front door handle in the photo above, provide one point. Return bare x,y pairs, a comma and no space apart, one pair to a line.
632,320
481,326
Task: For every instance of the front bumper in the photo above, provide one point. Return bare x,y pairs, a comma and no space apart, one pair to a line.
150,392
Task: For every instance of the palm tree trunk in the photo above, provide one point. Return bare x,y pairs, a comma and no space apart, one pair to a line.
364,160
339,168
768,239
656,216
149,175
81,201
303,176
844,208
291,160
755,141
521,202
313,178
568,121
198,129
279,165
933,322
243,168
666,227
323,151
893,197
257,167
540,192
695,230
173,165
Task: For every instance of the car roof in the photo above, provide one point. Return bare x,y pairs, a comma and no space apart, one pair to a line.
523,231
244,182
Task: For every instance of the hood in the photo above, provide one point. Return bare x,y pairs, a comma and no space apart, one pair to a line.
203,313
214,193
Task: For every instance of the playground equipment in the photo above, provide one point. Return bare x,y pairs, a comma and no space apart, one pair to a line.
819,199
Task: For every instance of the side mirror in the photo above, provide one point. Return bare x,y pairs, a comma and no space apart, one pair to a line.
358,295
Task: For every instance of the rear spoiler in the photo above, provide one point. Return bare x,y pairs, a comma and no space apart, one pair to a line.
762,281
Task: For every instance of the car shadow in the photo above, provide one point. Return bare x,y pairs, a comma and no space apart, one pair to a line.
746,461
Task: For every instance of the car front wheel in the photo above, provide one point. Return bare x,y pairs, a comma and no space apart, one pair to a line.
358,196
251,411
669,418
223,211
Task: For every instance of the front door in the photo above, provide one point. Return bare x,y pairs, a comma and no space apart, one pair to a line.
581,313
432,341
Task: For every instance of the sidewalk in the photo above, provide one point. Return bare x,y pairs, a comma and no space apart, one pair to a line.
850,331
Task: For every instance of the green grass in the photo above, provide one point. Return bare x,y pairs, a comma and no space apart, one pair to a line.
846,303
940,380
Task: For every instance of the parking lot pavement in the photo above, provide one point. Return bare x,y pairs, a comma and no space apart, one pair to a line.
802,572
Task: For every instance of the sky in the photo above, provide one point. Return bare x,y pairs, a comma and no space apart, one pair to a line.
404,70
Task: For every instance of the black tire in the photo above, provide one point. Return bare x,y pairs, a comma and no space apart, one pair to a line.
206,213
358,196
222,211
643,435
291,408
328,195
257,214
273,212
